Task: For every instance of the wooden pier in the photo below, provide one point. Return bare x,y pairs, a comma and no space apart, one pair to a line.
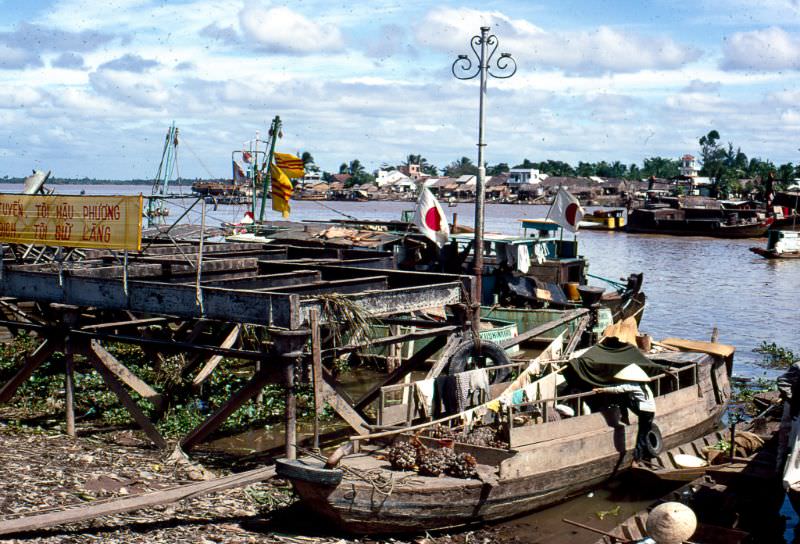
78,305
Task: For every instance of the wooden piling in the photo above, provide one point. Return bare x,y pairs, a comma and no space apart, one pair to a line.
316,371
69,387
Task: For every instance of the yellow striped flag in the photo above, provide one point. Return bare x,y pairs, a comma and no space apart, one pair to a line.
281,190
292,166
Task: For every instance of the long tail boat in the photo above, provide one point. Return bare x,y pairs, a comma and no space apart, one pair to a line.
536,463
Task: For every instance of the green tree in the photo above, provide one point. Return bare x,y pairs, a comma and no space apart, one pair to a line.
461,167
424,166
634,172
526,164
586,169
497,169
714,165
660,167
355,167
308,162
344,169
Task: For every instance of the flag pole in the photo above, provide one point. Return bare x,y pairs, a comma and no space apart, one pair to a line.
553,203
274,132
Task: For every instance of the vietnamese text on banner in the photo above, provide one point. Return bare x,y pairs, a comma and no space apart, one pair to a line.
103,222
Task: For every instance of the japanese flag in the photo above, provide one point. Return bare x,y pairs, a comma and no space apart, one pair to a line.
566,210
430,219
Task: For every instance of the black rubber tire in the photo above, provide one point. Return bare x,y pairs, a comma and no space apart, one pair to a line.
654,441
497,355
298,470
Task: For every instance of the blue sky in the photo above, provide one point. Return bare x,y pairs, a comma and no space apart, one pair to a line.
89,88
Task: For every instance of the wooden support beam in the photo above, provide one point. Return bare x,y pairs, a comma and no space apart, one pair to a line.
69,386
264,281
352,285
32,362
417,360
212,423
341,406
444,359
576,336
126,376
388,340
162,345
543,328
126,400
214,360
316,372
126,324
36,522
291,410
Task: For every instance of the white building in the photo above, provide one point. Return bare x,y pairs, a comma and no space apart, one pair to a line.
389,177
467,180
522,176
689,166
311,178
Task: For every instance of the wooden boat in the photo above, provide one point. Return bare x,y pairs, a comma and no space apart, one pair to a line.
695,222
613,219
634,529
781,244
691,460
543,463
734,502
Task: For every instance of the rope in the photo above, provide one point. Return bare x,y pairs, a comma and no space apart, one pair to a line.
375,477
612,282
335,210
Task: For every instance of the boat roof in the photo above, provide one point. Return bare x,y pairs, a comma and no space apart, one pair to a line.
494,237
540,224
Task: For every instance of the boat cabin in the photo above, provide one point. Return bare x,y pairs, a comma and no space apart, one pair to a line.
783,241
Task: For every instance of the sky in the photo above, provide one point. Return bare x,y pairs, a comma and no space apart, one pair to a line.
90,88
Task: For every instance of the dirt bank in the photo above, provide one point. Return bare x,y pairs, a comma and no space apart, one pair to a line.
44,470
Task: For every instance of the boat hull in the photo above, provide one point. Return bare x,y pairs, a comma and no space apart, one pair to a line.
534,476
772,254
696,228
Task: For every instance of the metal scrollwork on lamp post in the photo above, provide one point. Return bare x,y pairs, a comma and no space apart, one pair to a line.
484,48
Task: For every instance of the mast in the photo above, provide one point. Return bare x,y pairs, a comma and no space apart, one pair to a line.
274,134
161,181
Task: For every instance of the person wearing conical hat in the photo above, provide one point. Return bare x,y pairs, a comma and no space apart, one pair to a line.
640,401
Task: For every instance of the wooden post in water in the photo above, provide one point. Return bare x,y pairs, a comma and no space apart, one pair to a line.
291,413
288,347
69,319
316,371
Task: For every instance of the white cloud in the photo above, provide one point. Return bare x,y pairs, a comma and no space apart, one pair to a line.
130,88
282,30
762,50
14,58
599,50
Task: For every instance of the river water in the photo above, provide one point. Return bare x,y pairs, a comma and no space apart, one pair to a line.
693,284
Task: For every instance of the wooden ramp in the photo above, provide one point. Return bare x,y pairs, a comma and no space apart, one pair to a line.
35,522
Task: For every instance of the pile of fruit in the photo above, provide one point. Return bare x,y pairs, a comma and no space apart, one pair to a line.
432,462
479,436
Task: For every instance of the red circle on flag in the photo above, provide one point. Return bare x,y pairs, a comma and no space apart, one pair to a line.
433,220
571,212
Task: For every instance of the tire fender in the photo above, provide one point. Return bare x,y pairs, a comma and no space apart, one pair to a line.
655,443
459,359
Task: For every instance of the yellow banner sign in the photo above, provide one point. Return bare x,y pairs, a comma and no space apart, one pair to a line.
105,222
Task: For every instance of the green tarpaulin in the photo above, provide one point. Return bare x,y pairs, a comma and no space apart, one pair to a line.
598,364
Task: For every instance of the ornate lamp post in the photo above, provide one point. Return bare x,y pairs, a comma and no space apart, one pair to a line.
484,48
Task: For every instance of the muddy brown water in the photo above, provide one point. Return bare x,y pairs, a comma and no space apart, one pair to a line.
693,284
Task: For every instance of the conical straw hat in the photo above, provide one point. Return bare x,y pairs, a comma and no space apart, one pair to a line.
632,373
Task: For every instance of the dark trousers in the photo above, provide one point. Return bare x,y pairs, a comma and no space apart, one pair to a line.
645,424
